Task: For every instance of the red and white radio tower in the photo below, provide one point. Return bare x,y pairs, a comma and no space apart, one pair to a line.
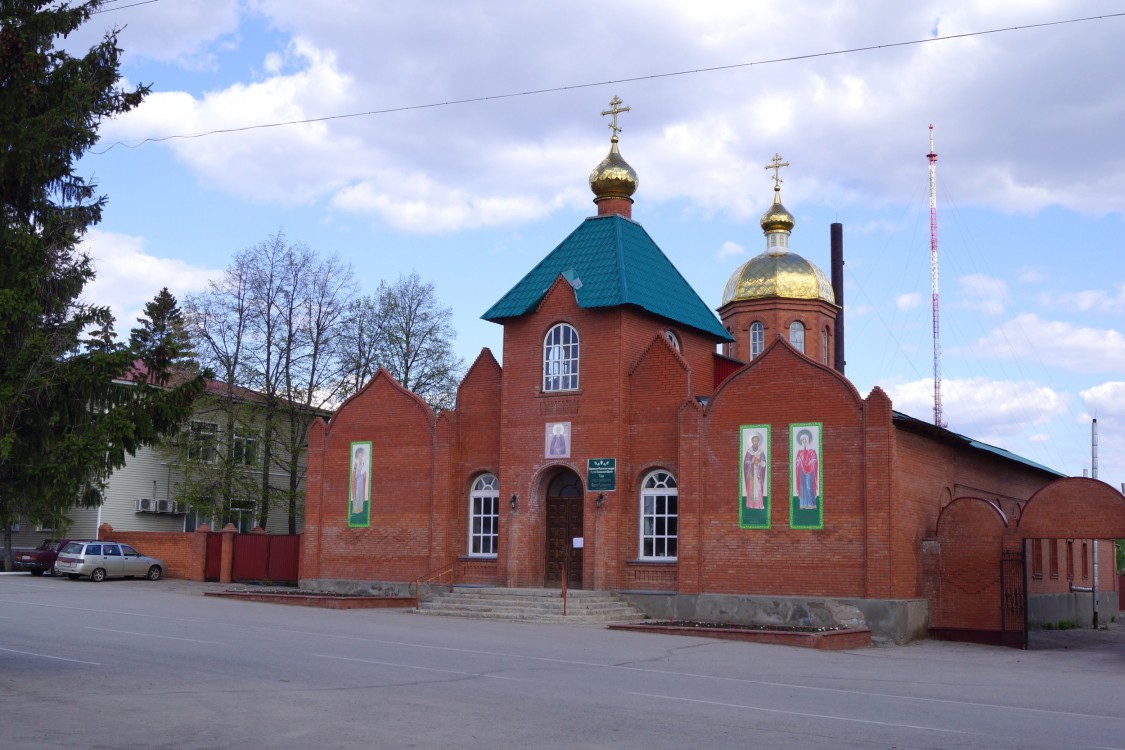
934,279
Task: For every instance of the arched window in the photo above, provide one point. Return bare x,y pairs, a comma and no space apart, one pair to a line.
484,516
560,359
757,339
673,339
659,516
797,335
824,345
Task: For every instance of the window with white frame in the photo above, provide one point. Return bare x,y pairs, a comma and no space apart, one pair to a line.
824,346
202,439
484,516
757,338
673,339
560,359
797,335
245,449
659,516
242,515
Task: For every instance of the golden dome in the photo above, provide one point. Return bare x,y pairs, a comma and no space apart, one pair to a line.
777,218
778,274
613,178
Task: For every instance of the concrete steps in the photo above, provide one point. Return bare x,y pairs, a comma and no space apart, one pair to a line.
530,605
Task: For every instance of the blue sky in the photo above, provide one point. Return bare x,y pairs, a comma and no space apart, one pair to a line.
1031,170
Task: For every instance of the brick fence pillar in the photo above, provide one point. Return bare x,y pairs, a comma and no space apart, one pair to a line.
197,570
227,563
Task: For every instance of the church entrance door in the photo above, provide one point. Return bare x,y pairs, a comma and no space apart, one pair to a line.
564,524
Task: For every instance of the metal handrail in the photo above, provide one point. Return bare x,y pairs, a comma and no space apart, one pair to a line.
437,575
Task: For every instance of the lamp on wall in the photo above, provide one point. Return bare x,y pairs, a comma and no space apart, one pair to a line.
514,502
601,500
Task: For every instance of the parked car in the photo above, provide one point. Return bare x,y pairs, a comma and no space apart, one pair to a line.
101,560
41,559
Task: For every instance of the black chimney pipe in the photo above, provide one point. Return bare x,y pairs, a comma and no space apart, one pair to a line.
838,291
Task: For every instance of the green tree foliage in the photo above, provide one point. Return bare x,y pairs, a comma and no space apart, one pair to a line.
404,329
70,408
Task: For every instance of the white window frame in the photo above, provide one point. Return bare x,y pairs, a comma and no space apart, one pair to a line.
824,345
757,339
561,358
797,335
243,441
204,442
484,517
673,339
243,512
659,517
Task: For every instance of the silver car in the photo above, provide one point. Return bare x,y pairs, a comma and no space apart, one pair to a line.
102,560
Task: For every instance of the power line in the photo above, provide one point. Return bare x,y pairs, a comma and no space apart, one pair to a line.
611,82
121,7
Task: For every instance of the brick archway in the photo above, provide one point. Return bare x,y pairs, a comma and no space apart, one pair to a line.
1073,507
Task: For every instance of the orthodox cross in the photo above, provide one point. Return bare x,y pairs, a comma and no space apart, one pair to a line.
615,109
776,167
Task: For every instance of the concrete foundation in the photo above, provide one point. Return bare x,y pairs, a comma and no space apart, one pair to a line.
349,587
1075,606
897,620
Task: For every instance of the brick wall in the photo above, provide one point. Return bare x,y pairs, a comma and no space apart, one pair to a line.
183,553
780,388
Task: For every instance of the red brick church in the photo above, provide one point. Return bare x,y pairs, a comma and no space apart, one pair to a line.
718,468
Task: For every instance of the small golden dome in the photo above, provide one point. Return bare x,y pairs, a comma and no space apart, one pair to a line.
774,274
777,218
613,178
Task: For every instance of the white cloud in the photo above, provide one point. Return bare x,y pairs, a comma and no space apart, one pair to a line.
128,276
984,293
1031,275
1094,300
983,409
1105,400
908,301
730,249
1063,345
848,123
180,32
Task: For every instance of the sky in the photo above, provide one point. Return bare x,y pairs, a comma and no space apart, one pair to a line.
456,140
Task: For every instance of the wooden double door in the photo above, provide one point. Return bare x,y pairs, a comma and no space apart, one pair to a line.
564,525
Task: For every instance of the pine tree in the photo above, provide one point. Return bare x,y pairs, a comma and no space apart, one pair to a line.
68,416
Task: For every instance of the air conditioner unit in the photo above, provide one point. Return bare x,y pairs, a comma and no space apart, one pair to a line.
164,506
145,505
178,508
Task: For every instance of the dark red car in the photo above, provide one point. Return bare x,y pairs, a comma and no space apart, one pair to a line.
41,559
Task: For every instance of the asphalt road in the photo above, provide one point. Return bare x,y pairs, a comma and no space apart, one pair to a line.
136,664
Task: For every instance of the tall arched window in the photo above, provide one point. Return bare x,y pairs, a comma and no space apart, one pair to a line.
757,338
560,359
484,516
659,516
797,335
824,345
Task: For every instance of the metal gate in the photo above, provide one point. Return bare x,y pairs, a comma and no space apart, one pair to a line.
255,557
1013,598
213,567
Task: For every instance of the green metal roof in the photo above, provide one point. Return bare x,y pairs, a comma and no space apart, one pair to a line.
917,425
611,260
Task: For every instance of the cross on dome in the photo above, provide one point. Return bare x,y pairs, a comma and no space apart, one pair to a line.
776,166
615,109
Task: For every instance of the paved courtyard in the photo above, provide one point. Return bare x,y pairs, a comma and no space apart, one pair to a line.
158,665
